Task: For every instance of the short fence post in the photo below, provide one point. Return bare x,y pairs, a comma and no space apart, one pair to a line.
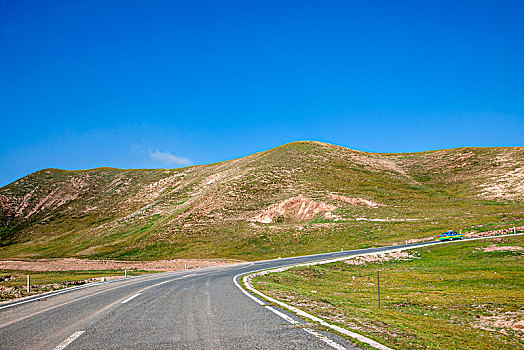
125,273
28,284
378,289
316,269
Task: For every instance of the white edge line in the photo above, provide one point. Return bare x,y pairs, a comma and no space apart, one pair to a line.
69,340
50,294
258,301
65,290
308,330
72,289
299,312
287,318
304,314
131,298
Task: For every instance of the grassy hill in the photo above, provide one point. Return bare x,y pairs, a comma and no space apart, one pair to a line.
302,197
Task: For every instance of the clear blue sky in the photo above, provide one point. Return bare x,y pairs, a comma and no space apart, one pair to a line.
147,84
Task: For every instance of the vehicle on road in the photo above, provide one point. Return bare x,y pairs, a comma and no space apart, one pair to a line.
450,235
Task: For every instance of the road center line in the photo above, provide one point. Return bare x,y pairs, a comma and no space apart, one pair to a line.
69,340
158,284
130,298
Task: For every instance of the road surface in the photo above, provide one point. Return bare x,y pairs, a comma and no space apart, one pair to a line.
191,309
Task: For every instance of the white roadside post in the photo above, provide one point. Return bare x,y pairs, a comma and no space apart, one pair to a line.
316,270
28,284
125,273
378,288
185,266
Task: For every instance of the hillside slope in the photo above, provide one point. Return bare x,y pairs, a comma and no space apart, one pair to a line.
302,197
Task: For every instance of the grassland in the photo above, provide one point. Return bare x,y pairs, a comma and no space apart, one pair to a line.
452,296
207,211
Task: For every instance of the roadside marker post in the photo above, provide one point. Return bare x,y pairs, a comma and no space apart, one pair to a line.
514,230
125,273
378,287
316,269
28,284
185,266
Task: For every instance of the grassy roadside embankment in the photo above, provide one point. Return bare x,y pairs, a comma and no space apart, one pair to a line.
452,296
13,283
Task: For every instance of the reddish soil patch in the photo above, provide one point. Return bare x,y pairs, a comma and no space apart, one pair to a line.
363,260
503,231
296,208
494,248
72,264
508,320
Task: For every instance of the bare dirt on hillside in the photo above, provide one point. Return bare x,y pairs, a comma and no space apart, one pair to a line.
495,248
379,258
503,231
513,320
299,208
506,181
72,264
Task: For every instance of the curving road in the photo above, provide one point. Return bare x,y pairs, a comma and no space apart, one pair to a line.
191,309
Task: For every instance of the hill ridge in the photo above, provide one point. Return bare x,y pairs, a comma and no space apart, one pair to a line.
207,211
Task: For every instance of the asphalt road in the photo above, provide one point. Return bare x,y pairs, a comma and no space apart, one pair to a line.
191,309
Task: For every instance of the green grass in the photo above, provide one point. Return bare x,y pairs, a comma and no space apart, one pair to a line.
436,301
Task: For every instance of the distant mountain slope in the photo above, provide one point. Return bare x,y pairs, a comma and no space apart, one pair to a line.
301,197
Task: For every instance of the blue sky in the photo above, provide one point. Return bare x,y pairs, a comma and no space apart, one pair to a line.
148,84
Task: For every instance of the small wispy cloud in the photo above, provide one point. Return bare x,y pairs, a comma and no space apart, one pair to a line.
169,158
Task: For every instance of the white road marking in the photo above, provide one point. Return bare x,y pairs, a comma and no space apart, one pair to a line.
308,330
258,301
50,294
131,298
71,289
289,319
175,279
304,314
158,284
65,290
69,340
